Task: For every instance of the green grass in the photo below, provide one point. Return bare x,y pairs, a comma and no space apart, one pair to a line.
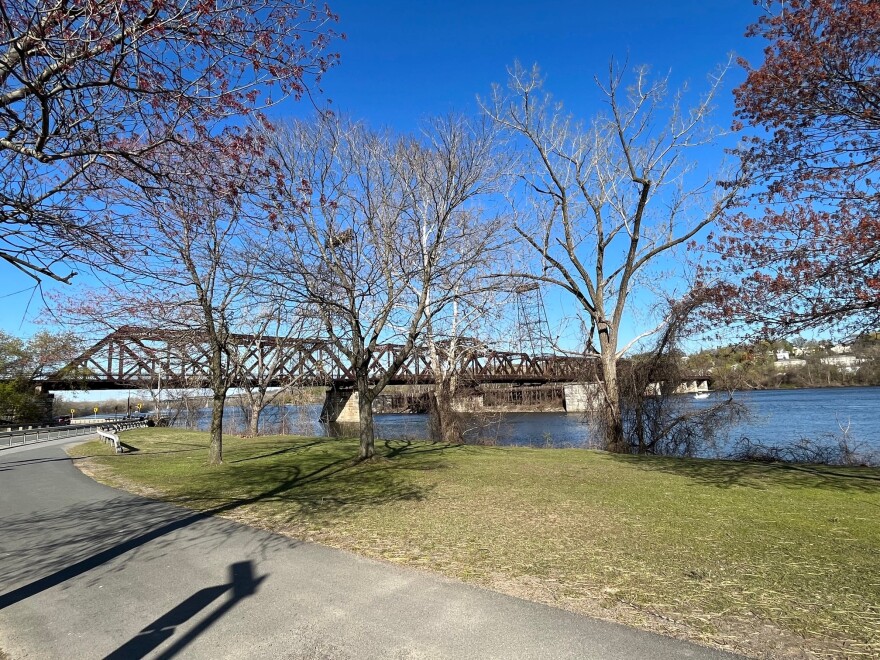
769,560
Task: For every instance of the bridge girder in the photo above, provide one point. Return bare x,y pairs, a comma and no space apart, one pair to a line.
139,358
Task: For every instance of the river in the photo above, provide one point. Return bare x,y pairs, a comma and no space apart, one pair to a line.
776,417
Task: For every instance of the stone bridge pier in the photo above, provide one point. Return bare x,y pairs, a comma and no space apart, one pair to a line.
341,405
692,386
582,397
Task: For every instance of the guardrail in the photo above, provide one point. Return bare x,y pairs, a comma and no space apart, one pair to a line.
22,437
110,433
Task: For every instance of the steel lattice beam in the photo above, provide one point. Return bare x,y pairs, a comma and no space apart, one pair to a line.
140,358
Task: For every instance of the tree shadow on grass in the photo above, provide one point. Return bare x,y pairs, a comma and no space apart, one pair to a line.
67,542
728,473
278,452
191,448
409,449
134,448
315,483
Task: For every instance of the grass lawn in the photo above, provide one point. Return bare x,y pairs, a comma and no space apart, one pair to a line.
767,560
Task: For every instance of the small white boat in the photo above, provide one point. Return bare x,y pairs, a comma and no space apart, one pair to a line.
702,395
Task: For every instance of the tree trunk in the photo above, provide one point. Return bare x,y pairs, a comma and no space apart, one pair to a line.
254,421
365,411
640,413
215,452
219,388
443,419
612,420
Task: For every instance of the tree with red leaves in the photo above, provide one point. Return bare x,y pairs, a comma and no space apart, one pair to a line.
89,89
804,250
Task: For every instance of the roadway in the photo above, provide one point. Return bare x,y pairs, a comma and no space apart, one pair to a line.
87,571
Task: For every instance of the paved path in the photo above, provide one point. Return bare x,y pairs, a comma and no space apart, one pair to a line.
87,571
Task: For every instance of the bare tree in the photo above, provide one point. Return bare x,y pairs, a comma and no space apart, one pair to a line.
461,166
366,246
458,331
263,363
184,275
667,422
606,201
185,406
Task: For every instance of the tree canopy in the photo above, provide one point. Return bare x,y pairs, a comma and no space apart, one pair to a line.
22,361
804,250
87,87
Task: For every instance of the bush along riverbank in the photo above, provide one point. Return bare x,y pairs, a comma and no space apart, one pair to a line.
769,560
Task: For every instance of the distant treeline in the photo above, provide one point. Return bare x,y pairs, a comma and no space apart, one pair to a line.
63,407
193,398
809,364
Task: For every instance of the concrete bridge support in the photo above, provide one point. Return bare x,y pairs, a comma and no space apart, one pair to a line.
341,405
693,386
468,403
582,397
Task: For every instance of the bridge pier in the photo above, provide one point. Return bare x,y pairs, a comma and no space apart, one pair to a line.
341,405
582,397
464,403
692,386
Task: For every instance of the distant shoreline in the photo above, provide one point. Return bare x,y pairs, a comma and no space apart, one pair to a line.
833,386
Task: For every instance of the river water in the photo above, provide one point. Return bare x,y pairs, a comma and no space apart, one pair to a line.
776,417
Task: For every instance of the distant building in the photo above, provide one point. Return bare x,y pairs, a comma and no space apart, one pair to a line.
784,365
848,363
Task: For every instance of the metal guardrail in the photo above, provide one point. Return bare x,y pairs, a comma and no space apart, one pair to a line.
22,437
110,433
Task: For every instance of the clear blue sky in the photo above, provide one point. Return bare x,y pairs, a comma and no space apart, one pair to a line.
404,61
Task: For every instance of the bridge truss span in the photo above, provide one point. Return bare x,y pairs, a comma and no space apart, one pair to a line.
141,358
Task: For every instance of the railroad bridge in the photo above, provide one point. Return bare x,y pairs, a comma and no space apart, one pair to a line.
142,358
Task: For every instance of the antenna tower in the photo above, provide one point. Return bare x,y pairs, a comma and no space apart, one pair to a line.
532,326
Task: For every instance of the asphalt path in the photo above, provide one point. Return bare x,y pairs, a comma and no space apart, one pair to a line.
87,571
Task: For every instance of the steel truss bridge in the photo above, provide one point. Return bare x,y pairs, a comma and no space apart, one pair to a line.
141,358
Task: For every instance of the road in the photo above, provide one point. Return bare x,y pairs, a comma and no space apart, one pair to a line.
87,571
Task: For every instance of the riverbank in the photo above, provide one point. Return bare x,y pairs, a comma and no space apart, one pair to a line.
767,560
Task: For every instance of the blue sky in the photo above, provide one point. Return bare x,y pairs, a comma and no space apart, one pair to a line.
404,61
